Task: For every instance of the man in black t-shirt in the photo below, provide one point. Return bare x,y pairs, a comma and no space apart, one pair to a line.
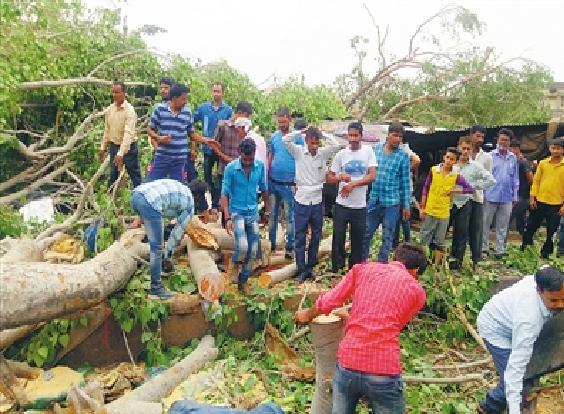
520,209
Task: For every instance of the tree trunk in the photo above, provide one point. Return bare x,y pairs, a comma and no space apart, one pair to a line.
36,292
211,284
326,333
163,384
9,336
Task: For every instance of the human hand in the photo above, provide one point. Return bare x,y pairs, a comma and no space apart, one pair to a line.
229,226
302,316
118,161
422,213
405,213
193,156
164,139
344,177
533,204
342,313
347,190
561,211
101,154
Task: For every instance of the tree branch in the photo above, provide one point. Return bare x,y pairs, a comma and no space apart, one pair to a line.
112,59
446,380
27,86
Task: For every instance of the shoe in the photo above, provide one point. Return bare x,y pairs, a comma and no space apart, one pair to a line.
454,264
245,289
301,278
167,266
499,256
289,254
161,293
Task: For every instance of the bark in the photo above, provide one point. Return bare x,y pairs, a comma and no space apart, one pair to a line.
162,385
87,80
9,336
25,250
325,337
36,292
211,284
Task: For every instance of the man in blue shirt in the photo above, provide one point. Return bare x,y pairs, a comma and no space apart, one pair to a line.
209,114
154,201
499,199
281,174
510,323
391,192
170,125
242,179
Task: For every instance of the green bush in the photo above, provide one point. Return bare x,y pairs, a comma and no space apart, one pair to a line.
11,223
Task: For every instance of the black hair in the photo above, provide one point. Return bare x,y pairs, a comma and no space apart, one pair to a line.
454,151
300,123
219,84
313,132
515,144
356,125
412,256
247,146
396,127
283,111
166,80
120,84
178,89
478,128
549,278
507,132
198,189
558,141
244,107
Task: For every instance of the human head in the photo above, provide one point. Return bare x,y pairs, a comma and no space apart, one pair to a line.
354,135
550,286
247,149
178,96
515,147
164,87
504,138
300,124
395,134
242,126
312,137
478,134
243,109
283,119
412,256
465,145
556,147
118,92
451,156
217,92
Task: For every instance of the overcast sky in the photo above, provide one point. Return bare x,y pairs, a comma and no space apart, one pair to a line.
312,37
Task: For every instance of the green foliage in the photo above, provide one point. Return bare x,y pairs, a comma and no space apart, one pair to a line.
11,222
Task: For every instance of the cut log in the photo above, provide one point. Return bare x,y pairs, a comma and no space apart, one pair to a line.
326,333
211,284
9,336
224,240
27,250
36,292
154,390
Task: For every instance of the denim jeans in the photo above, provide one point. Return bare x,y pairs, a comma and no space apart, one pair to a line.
405,226
193,407
281,193
130,162
342,218
153,223
167,167
190,172
246,235
209,161
384,393
307,215
377,214
495,401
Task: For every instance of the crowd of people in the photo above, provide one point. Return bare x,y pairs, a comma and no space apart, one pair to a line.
254,181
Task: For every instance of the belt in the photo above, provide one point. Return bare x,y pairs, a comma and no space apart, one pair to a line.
282,182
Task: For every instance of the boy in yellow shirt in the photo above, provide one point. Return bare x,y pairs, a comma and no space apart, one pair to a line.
441,183
547,197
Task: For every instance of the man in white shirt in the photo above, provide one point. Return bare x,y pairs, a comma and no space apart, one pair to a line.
353,169
311,166
510,323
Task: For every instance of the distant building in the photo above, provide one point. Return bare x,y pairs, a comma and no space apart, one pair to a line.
554,100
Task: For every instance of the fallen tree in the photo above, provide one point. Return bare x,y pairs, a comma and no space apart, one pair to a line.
36,292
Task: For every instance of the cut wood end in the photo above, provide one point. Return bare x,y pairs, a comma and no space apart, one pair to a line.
202,237
326,319
264,280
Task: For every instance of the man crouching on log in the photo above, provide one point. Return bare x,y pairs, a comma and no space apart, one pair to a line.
385,296
153,201
510,323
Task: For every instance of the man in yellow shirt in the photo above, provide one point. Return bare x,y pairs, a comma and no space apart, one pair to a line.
547,197
120,137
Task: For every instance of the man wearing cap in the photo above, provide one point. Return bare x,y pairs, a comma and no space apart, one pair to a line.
242,179
510,322
281,174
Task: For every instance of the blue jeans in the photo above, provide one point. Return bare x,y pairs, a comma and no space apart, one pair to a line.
190,169
281,193
495,401
387,216
130,162
406,230
153,223
307,215
167,167
384,393
209,161
246,234
193,407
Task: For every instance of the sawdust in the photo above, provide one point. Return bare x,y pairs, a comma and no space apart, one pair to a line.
66,250
53,384
550,402
202,237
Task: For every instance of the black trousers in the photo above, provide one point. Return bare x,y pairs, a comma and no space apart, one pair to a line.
460,218
130,161
476,230
543,211
342,218
519,214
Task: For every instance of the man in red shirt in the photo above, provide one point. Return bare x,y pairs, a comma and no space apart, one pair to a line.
385,296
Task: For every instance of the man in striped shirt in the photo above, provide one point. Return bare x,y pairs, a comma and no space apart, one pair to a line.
170,125
385,296
153,201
